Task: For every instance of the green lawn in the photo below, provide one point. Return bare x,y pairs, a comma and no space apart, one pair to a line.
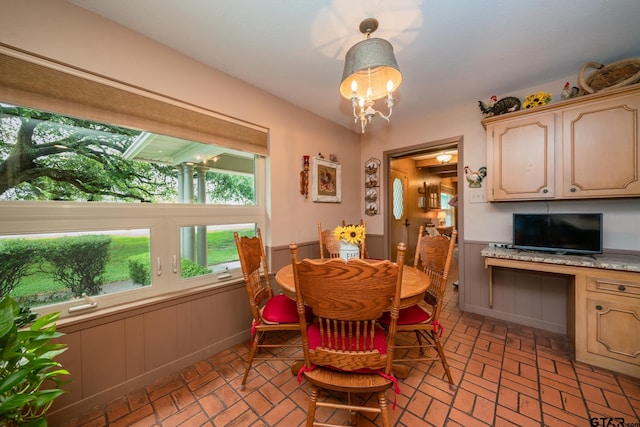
221,248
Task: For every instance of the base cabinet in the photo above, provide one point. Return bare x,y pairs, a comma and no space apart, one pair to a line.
608,321
613,329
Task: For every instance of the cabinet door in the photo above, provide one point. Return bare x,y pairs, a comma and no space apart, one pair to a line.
522,152
613,327
600,149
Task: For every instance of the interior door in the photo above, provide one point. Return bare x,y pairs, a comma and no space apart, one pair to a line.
398,218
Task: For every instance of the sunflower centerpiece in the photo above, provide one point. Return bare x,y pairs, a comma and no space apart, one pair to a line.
350,238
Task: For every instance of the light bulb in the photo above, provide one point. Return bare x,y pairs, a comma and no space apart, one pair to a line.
354,86
389,86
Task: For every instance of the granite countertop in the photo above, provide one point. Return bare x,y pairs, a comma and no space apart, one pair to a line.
622,262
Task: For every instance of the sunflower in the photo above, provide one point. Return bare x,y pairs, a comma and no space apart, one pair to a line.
537,99
350,233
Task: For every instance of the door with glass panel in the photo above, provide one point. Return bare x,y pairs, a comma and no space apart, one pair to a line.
398,219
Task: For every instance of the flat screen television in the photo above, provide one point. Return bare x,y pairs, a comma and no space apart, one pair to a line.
571,233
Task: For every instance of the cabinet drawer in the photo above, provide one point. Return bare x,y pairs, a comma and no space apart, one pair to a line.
624,286
613,329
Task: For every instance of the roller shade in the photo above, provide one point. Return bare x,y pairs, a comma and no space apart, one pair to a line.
69,92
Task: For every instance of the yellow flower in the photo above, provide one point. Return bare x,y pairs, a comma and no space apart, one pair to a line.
350,233
536,99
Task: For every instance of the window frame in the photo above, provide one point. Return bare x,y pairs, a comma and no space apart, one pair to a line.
163,220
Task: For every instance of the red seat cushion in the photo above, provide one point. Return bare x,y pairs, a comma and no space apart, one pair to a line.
408,316
282,309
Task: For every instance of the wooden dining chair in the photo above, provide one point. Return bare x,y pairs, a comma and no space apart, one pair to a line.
434,255
271,313
328,243
345,349
363,246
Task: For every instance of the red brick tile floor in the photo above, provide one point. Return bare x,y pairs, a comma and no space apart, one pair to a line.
507,375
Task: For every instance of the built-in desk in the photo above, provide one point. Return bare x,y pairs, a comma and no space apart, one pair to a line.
603,315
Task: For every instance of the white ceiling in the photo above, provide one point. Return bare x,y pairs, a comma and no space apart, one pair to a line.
449,51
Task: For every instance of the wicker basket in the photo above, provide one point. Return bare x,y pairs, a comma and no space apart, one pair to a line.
614,75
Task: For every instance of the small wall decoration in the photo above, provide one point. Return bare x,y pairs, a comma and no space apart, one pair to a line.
371,170
304,177
474,179
326,181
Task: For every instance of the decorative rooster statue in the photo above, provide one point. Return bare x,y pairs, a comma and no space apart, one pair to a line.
495,107
475,178
569,92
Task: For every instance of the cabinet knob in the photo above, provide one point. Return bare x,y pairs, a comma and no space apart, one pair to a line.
621,288
598,307
545,191
573,189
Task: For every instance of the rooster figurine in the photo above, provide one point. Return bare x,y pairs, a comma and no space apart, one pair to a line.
569,92
475,178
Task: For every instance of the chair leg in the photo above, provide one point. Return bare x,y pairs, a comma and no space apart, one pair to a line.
313,400
252,354
384,411
443,359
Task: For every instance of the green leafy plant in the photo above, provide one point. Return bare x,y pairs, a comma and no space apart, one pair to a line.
27,367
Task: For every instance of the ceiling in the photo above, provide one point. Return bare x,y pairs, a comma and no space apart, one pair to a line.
450,52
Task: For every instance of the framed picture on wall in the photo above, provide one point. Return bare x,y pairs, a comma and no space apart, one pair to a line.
326,181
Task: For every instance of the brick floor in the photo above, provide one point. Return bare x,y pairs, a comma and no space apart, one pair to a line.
507,375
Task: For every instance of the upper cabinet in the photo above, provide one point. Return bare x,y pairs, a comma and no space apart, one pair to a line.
600,152
586,147
520,154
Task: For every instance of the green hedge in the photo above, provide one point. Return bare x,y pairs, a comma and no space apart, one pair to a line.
17,257
78,262
140,269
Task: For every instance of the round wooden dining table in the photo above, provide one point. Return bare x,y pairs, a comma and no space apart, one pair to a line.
414,284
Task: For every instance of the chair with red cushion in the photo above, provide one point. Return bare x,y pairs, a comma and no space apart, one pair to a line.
433,256
271,313
345,349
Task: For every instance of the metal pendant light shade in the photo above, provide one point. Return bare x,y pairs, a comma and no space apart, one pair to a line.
371,64
370,73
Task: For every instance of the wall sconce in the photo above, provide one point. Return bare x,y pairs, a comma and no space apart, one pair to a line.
304,177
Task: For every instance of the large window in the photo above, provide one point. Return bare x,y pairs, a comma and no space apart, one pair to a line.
94,215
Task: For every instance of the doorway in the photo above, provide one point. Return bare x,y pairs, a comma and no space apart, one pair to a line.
418,187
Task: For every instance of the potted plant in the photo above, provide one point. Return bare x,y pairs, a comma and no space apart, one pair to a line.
27,366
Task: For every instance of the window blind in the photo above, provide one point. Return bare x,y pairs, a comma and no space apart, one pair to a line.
58,88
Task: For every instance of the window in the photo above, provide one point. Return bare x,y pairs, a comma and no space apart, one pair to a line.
446,196
117,214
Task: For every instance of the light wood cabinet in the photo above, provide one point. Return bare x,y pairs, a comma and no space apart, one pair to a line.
522,158
608,321
600,148
585,147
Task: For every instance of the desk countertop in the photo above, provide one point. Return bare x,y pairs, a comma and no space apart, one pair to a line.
622,262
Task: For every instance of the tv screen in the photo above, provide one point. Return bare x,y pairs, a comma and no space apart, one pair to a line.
577,233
